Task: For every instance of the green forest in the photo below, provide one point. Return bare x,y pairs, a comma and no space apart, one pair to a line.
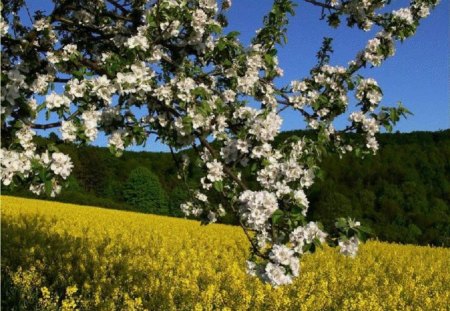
402,193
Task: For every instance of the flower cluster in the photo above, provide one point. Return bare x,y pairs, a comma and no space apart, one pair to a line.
23,164
257,207
382,42
369,93
13,163
349,247
369,125
302,236
90,120
215,171
68,131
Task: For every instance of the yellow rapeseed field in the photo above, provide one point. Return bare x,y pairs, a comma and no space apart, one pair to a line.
63,256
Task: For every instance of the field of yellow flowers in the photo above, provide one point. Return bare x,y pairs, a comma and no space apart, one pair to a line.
60,256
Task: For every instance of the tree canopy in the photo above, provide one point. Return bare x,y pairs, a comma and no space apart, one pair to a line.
134,68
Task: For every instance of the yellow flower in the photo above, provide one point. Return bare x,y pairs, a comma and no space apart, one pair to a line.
69,257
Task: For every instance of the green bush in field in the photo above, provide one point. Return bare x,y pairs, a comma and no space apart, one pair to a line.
144,191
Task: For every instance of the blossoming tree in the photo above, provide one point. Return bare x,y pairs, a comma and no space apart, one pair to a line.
169,68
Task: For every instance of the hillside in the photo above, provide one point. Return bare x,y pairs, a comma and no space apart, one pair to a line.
62,256
403,192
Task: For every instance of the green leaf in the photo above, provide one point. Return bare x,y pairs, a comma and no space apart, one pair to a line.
365,229
341,223
254,167
215,28
276,216
350,84
333,20
361,236
317,243
52,148
40,107
233,34
48,187
388,128
218,185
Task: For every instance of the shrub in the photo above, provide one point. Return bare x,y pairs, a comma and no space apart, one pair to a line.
143,191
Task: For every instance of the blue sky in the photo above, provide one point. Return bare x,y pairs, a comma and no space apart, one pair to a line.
417,75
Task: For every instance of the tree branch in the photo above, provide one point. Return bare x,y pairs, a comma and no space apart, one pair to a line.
54,124
119,6
321,4
250,239
61,80
226,169
45,126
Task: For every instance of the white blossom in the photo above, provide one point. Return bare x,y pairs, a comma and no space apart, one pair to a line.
54,100
139,42
13,163
68,131
257,207
357,117
277,275
68,51
215,171
37,189
103,88
201,196
404,14
90,118
208,4
189,209
170,29
61,164
3,27
305,235
423,10
25,137
32,103
349,247
76,88
368,89
301,198
199,19
40,85
41,24
229,96
372,143
116,140
294,265
281,254
212,217
265,128
251,268
52,58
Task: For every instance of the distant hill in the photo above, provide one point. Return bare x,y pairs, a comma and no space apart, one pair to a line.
402,193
